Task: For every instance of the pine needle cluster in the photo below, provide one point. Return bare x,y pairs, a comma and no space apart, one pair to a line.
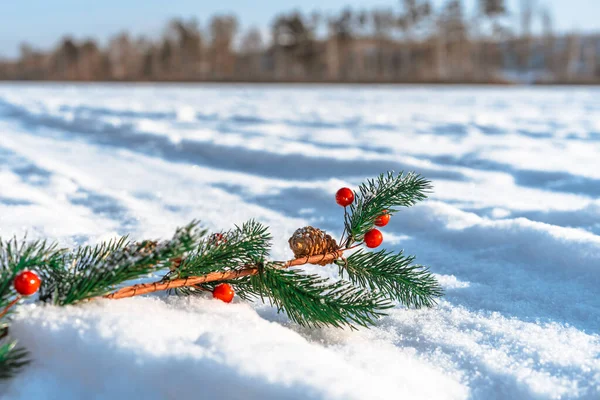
16,256
386,193
369,284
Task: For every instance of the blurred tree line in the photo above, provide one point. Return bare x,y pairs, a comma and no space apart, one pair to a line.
411,42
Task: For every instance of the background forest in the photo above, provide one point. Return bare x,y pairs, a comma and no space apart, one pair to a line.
411,41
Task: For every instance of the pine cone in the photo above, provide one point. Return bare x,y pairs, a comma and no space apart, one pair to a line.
309,241
145,248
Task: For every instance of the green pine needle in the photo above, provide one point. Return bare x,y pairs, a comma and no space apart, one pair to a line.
386,192
12,359
94,271
311,300
394,276
244,245
375,279
18,255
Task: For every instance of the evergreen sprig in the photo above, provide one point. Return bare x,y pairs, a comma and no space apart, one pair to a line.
12,359
239,257
61,282
242,246
386,193
311,300
17,255
93,271
394,276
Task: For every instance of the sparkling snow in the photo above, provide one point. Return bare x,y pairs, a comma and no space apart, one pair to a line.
512,232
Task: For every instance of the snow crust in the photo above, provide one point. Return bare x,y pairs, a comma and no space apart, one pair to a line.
512,231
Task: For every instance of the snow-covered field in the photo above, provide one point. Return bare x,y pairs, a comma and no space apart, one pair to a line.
512,232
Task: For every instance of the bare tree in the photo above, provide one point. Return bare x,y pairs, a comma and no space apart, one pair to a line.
492,8
186,48
32,63
572,56
124,58
414,12
525,48
251,48
222,33
548,42
339,49
91,64
452,38
491,11
295,47
384,21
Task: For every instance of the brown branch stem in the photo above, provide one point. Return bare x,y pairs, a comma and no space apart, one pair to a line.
12,303
145,288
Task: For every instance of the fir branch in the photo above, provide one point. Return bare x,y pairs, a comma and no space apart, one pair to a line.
8,308
311,300
12,359
217,276
388,192
145,288
95,271
18,255
394,276
197,264
242,246
57,281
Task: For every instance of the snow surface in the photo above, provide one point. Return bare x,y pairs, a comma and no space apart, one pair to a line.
512,232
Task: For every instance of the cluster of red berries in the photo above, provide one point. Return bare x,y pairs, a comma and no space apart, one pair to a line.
373,238
27,283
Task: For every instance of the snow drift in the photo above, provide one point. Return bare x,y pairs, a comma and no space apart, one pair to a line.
512,232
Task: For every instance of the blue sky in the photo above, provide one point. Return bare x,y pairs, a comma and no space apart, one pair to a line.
43,22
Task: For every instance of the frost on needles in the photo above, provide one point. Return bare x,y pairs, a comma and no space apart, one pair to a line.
194,262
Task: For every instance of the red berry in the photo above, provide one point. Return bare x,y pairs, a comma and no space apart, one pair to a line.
344,197
383,219
373,238
27,283
224,292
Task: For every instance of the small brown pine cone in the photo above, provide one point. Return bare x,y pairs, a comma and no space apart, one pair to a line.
147,247
175,263
309,241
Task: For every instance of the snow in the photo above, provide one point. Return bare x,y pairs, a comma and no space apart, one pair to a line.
512,232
